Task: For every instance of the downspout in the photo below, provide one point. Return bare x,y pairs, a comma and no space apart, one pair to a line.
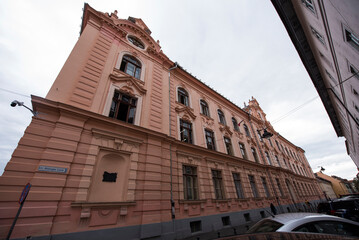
170,134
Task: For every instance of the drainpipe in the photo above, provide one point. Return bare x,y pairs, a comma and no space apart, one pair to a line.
170,134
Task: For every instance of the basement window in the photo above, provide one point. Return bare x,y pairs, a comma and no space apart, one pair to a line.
123,107
226,221
196,226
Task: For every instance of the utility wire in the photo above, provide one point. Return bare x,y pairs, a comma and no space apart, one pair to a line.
294,110
23,95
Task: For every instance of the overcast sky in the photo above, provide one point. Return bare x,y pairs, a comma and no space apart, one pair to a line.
238,47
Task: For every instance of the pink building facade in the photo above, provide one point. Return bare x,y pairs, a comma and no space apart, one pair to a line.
130,144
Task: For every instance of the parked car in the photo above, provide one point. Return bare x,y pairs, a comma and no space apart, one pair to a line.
307,222
346,207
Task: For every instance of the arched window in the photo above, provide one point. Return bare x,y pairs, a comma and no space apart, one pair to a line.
183,96
137,42
246,130
204,108
131,66
235,124
221,117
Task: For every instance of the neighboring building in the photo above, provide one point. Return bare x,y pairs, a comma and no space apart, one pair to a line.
326,36
326,187
129,144
340,186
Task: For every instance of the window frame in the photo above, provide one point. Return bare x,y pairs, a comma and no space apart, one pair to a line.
228,145
265,186
246,130
183,96
255,155
209,134
238,185
204,108
118,104
193,182
186,127
221,117
252,183
235,124
136,64
218,184
242,149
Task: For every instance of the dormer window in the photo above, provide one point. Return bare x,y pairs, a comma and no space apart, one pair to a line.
131,66
135,41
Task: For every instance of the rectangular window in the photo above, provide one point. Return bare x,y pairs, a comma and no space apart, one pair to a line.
277,159
238,185
196,226
123,107
242,148
228,144
210,139
259,136
279,187
247,217
226,221
352,39
253,186
217,184
186,131
268,158
266,190
318,35
190,188
309,4
354,71
255,156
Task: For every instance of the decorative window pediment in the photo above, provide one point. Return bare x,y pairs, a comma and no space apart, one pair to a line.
185,113
132,84
225,130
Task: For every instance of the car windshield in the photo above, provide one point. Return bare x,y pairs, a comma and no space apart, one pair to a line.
265,226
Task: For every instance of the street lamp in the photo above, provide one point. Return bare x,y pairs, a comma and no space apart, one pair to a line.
266,134
17,103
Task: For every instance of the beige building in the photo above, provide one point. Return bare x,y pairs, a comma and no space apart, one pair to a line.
326,36
340,186
130,144
327,188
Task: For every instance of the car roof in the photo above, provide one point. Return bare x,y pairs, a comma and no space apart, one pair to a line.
292,220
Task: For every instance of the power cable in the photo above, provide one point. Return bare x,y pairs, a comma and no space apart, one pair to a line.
23,95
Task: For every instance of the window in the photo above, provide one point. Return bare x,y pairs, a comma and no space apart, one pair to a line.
309,4
354,71
246,130
318,35
217,183
329,227
186,131
238,185
276,142
268,158
279,187
277,159
255,156
221,117
259,136
204,108
247,217
270,142
235,124
265,186
190,188
182,96
228,144
210,139
243,150
226,221
352,39
123,107
253,186
131,66
135,41
196,226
